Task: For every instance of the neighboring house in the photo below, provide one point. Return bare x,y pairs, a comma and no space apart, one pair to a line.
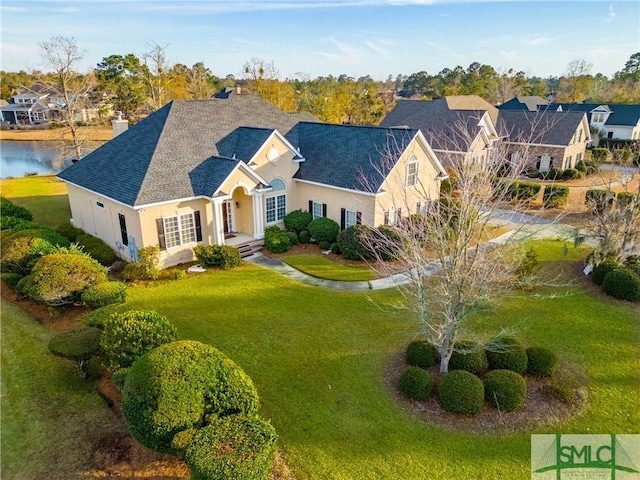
222,170
545,139
531,103
614,120
466,127
457,127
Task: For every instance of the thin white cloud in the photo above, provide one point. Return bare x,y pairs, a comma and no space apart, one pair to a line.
537,40
346,49
612,14
376,47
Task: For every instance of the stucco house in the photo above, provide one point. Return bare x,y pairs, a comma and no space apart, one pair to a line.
220,171
466,127
460,127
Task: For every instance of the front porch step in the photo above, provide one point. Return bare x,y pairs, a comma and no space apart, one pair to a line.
251,247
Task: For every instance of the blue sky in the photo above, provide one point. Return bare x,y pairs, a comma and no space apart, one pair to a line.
321,37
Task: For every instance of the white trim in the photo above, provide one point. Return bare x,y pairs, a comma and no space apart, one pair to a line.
248,170
283,140
111,199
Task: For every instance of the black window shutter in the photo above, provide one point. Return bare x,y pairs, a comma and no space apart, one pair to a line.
196,219
324,209
311,207
418,207
123,229
160,228
358,218
343,214
398,215
386,218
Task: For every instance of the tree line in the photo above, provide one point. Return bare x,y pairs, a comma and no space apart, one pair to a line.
140,84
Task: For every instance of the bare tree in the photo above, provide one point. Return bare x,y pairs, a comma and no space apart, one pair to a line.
452,272
70,89
614,218
156,74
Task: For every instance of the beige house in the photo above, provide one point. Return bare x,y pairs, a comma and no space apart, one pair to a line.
222,170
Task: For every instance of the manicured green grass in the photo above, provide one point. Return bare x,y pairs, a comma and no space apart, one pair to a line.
44,195
322,267
52,420
318,359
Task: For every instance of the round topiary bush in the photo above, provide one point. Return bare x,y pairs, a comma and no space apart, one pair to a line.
323,229
508,354
601,270
387,242
95,247
178,386
304,236
324,245
461,392
352,242
469,356
276,240
293,238
235,447
297,221
505,390
104,294
541,362
19,255
415,384
422,354
130,334
335,248
79,344
622,283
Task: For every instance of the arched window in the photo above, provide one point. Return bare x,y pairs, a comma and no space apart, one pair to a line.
277,184
276,205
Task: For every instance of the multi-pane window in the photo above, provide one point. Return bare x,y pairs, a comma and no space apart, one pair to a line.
276,207
412,172
317,210
597,117
393,216
350,218
179,230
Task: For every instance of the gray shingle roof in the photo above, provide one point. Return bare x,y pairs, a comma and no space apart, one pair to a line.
154,161
621,114
343,155
532,103
443,127
542,128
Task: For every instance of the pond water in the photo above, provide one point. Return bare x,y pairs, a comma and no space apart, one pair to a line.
21,158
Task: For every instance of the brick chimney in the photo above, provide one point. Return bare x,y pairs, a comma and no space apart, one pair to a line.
119,124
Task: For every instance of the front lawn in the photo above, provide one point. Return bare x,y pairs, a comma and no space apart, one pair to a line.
318,358
321,267
44,195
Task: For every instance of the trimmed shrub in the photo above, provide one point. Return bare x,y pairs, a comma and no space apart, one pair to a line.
323,229
541,362
149,258
95,247
16,224
235,447
415,384
69,232
453,211
224,256
60,278
51,236
526,191
297,220
422,354
293,238
621,156
633,262
628,199
600,271
324,245
599,155
555,196
99,316
581,166
19,255
622,283
387,242
79,344
104,294
177,274
11,279
351,242
10,209
598,200
572,174
505,390
470,357
335,248
276,240
461,392
508,354
157,402
564,387
304,236
129,335
132,272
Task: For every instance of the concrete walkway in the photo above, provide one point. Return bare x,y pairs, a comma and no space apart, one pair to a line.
525,227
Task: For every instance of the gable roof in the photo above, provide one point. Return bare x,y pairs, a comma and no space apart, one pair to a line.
545,127
344,155
531,103
443,122
153,161
621,114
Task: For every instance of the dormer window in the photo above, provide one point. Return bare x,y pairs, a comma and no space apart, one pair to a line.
597,117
